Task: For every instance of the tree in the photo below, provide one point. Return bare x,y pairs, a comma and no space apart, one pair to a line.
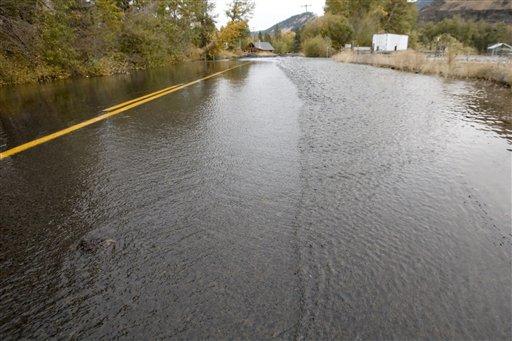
367,17
317,47
260,36
110,14
18,26
234,34
352,8
476,34
241,10
46,39
284,44
450,46
205,27
123,4
399,16
335,27
297,42
277,32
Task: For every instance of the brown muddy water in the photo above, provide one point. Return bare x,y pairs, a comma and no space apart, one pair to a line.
289,198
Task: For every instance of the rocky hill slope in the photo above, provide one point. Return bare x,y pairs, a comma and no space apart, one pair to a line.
488,10
423,3
291,24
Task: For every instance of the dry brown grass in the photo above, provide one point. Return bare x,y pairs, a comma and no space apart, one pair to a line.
265,54
413,61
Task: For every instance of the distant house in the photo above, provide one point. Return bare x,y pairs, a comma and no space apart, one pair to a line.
261,46
500,49
389,42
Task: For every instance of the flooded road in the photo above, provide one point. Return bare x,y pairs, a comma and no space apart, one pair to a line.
289,198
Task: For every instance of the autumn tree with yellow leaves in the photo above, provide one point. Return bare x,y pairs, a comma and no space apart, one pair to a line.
236,34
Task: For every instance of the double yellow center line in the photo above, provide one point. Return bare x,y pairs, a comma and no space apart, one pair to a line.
109,112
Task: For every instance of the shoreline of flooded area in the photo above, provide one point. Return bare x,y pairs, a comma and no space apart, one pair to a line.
491,70
291,198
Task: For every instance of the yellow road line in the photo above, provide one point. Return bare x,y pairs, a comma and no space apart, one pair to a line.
141,98
115,110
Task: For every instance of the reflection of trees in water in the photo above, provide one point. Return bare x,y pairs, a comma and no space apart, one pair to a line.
31,114
492,106
3,134
29,111
76,199
237,75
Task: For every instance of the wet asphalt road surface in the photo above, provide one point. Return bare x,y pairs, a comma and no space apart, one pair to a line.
289,199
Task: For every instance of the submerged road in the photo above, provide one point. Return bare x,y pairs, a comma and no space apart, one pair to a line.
287,198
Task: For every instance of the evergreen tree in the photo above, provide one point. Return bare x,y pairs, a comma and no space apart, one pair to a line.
297,42
277,32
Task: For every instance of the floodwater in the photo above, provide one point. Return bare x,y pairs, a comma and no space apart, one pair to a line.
289,199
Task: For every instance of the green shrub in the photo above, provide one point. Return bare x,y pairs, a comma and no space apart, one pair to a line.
56,43
284,44
335,27
476,34
144,41
317,47
64,38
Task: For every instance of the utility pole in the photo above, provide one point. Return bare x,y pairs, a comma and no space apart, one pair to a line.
307,6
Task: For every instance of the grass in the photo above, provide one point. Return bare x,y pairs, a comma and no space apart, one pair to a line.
412,61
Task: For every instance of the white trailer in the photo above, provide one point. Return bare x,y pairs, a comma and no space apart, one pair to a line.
389,42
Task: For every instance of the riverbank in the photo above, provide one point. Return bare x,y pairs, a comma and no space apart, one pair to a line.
412,61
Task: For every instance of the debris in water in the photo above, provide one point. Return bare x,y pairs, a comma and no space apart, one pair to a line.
94,245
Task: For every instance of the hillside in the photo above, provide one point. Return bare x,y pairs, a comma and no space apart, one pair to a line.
293,23
423,3
488,10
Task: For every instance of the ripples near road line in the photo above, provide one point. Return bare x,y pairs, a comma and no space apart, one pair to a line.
291,199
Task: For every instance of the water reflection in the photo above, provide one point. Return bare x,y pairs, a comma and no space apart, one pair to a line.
491,105
78,191
290,198
31,111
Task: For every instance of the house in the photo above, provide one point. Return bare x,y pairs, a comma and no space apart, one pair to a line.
389,42
500,49
261,46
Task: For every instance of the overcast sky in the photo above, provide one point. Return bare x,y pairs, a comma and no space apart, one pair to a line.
270,12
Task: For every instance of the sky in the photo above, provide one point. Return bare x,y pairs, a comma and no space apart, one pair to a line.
270,12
